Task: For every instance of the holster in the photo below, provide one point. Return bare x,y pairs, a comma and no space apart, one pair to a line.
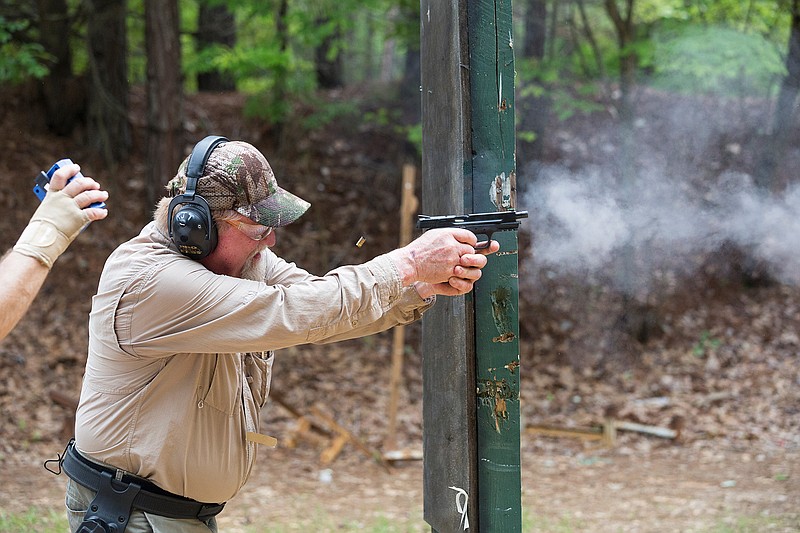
111,507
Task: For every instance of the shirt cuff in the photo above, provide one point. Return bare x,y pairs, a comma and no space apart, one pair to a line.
392,292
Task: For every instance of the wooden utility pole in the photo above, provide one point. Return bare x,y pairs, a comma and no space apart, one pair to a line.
471,432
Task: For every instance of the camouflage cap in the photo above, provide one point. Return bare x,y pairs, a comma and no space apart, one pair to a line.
237,176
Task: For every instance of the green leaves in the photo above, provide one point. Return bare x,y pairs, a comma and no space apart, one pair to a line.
716,60
20,60
705,344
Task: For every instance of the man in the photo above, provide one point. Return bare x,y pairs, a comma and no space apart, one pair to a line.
181,349
62,215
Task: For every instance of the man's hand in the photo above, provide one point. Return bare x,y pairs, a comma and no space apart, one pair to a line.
62,215
442,261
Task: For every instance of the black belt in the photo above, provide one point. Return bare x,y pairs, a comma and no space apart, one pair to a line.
150,498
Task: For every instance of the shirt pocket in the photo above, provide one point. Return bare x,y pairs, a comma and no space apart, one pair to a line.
219,384
258,372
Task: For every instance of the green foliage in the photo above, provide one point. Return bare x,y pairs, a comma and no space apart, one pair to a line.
766,17
720,47
769,18
566,103
386,117
568,95
715,60
279,75
20,60
39,520
381,117
705,344
329,112
322,520
414,136
723,47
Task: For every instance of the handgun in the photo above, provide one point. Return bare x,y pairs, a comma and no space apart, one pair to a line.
43,180
478,223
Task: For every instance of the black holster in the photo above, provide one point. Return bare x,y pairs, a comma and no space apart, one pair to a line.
111,507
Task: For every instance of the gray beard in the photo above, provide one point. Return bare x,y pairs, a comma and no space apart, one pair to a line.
255,270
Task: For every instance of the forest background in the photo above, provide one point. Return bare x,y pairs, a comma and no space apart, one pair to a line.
657,152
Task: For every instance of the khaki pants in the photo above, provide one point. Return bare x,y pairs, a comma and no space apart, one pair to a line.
79,497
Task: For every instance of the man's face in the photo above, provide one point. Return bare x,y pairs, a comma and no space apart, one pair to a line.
237,253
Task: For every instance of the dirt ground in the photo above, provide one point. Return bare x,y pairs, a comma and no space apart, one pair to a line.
632,488
723,372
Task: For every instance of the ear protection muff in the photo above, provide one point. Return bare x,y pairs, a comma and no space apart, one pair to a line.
191,227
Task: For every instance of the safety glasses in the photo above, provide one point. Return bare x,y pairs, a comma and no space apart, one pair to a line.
256,232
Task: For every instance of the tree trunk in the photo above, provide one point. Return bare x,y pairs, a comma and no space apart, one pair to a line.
533,111
64,95
775,145
628,61
551,48
535,35
215,25
108,128
279,89
328,63
636,318
165,142
587,32
784,111
410,84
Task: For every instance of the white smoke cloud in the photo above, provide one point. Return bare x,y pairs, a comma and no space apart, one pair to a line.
583,222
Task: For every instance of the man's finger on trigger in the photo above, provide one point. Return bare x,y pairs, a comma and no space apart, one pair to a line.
493,247
465,236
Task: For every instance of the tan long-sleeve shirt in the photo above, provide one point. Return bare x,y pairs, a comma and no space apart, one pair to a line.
180,358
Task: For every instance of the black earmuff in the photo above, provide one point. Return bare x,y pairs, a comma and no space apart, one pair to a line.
191,227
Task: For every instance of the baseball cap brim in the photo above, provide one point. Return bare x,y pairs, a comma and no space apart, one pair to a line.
279,209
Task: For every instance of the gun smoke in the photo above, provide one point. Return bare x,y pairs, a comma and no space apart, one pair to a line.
582,223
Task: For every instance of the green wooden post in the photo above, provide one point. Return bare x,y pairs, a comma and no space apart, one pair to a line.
471,434
497,294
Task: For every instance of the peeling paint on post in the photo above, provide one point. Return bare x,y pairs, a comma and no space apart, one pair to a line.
471,365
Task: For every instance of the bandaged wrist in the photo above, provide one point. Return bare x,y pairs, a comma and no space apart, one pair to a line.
53,226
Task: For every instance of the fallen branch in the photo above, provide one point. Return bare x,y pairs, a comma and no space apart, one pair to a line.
345,435
592,433
402,455
655,431
305,428
607,432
